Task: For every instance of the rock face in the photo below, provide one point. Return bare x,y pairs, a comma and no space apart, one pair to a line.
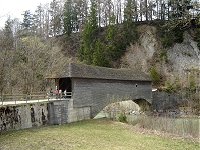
180,57
184,56
139,54
148,40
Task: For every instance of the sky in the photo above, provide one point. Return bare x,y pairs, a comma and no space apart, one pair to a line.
14,8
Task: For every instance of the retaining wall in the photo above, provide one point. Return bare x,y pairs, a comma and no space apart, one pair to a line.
36,114
165,100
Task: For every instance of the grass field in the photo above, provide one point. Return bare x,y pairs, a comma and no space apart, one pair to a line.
97,134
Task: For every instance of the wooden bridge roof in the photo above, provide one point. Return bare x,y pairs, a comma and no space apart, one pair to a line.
93,72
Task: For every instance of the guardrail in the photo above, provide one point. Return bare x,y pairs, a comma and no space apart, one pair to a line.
32,97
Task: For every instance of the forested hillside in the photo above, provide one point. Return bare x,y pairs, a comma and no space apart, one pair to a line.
131,34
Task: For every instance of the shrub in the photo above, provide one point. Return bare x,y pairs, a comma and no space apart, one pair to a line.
174,86
192,83
122,118
168,38
168,87
166,41
178,35
163,55
155,75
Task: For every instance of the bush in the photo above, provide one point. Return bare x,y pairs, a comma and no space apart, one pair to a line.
192,83
166,41
155,75
163,55
122,118
168,87
178,35
174,86
168,38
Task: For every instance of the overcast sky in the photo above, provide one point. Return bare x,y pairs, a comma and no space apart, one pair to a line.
15,8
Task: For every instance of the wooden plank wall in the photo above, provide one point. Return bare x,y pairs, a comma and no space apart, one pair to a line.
98,93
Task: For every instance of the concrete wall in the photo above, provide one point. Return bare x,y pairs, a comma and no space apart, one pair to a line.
37,114
99,93
23,116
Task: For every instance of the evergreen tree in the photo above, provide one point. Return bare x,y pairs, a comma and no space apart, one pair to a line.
28,25
179,16
111,40
56,12
151,9
108,11
39,21
163,9
89,36
99,55
129,28
81,9
27,20
67,20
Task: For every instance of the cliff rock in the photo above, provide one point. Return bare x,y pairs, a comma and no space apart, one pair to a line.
180,57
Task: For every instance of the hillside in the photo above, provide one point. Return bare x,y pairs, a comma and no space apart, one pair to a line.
172,62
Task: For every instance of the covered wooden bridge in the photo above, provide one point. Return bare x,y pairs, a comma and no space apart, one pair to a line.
95,87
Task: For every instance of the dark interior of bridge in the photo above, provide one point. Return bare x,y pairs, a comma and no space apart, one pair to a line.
65,84
144,105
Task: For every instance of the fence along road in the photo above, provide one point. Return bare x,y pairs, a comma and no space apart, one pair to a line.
31,98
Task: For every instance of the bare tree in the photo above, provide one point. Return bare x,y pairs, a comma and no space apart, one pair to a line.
81,7
6,46
118,10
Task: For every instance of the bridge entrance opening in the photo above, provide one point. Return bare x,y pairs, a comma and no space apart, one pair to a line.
65,84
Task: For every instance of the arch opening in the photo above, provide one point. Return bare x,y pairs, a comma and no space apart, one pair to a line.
143,104
112,110
127,106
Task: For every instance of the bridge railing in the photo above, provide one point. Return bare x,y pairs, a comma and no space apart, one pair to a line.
60,96
31,97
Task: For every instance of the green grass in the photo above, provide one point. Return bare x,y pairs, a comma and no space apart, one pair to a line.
97,134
